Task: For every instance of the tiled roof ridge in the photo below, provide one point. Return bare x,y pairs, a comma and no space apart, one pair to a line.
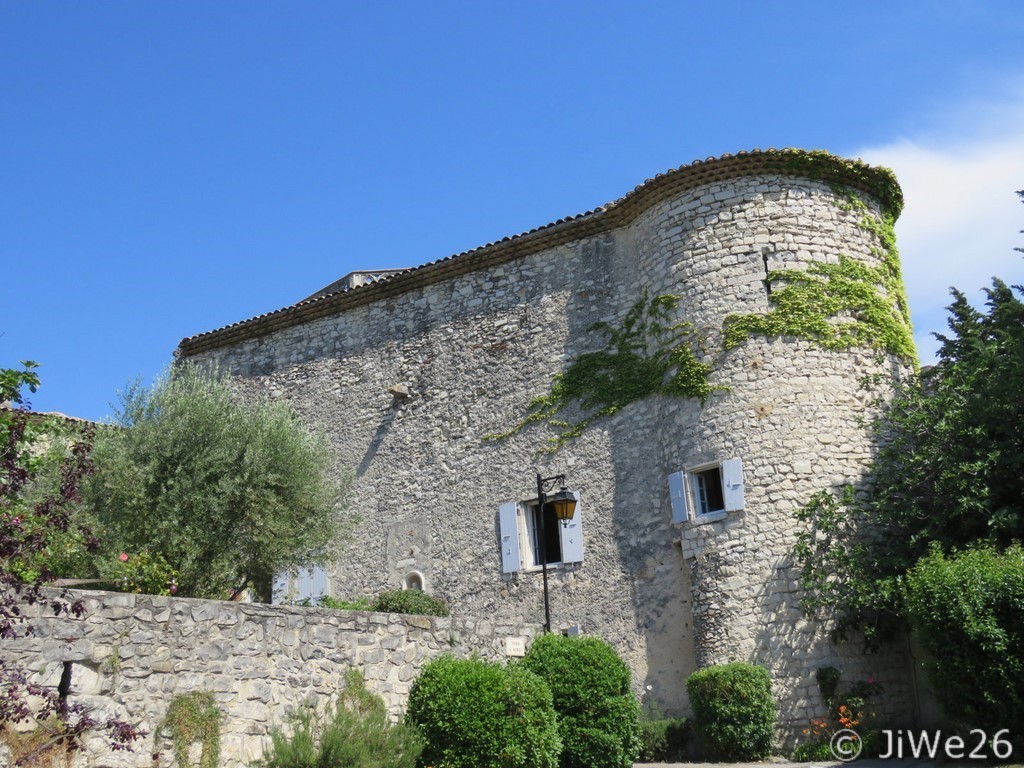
37,415
812,164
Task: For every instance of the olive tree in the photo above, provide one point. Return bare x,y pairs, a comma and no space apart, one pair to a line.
227,489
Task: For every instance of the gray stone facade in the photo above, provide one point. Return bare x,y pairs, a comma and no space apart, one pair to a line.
408,375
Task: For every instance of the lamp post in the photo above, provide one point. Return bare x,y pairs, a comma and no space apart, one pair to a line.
565,506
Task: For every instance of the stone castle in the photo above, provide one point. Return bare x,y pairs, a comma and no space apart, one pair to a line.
689,356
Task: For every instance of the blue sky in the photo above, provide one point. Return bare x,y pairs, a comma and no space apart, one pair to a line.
170,168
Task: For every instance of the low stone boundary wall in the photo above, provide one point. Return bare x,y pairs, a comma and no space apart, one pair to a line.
131,654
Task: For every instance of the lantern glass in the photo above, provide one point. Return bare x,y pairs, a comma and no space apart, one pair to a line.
564,504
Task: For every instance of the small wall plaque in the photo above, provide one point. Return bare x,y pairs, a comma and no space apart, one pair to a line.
515,646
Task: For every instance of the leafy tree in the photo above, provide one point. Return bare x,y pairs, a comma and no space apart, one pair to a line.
950,472
28,530
968,611
227,491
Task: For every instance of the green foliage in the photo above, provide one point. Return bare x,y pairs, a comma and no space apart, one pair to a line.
733,711
34,518
194,718
813,751
663,740
648,355
228,492
955,465
355,733
598,716
409,601
13,380
474,714
828,684
950,472
838,306
142,573
819,164
326,601
847,710
967,611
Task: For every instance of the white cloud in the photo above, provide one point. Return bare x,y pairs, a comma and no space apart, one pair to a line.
962,219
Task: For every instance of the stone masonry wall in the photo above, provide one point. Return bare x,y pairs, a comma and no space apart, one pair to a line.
474,349
131,654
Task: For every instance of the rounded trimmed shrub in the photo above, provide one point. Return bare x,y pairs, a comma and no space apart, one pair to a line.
733,711
598,716
409,601
474,714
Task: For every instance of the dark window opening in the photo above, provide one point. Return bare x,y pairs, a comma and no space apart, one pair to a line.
552,541
707,491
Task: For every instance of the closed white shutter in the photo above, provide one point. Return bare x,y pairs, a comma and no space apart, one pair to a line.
732,484
677,495
572,535
311,583
508,531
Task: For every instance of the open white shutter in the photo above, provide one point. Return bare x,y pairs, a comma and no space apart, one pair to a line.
732,484
572,535
508,531
677,495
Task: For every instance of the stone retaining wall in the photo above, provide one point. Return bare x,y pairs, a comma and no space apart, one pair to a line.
131,654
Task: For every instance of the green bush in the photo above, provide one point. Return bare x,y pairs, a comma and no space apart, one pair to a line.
409,601
733,711
663,740
967,611
356,733
598,716
361,603
474,714
816,750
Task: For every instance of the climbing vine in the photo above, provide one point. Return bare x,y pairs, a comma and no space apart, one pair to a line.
835,305
191,718
838,306
821,165
648,355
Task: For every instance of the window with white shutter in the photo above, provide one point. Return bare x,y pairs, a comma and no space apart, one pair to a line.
519,529
707,491
571,535
508,532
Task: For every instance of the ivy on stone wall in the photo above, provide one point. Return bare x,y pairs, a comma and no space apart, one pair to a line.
838,306
835,305
648,354
193,718
818,164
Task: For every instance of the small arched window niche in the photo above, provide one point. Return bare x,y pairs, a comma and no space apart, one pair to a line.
413,581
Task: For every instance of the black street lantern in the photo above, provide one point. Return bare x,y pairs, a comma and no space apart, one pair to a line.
564,504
